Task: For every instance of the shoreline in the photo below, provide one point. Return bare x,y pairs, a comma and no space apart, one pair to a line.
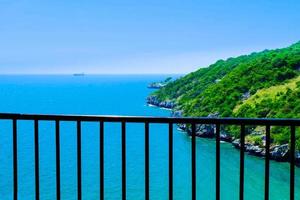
155,106
278,153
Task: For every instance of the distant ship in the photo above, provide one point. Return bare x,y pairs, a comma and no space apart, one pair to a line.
78,74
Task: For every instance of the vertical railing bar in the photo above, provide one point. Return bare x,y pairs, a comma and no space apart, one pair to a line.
193,158
79,191
292,163
146,161
170,161
101,147
267,162
36,159
57,145
123,160
242,162
218,162
15,159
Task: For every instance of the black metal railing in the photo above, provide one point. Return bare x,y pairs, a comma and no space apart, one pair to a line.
292,123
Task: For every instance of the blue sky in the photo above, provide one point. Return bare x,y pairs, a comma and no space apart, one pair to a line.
126,36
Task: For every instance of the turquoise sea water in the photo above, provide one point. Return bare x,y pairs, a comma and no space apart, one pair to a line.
115,95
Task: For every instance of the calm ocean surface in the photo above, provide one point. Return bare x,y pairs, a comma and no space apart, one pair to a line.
115,95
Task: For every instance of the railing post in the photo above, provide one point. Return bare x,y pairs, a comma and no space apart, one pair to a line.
193,158
217,161
101,147
242,162
79,191
267,162
123,160
170,161
292,163
57,145
36,153
146,161
15,159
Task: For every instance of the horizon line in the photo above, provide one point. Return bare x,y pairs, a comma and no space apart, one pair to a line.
89,74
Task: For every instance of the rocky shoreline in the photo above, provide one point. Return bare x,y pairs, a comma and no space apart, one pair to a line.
161,84
153,100
280,153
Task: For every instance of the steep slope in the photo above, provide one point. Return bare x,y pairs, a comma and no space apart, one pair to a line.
222,86
282,101
275,102
263,84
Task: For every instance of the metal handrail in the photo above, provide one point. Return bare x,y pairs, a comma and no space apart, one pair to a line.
150,119
193,121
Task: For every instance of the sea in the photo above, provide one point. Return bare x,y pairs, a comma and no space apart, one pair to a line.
115,95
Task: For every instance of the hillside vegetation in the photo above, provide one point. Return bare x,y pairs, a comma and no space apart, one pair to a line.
280,101
262,84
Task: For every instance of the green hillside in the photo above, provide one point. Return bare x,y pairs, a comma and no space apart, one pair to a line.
280,101
221,86
262,84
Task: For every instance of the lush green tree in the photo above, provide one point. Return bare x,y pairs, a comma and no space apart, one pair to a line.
224,86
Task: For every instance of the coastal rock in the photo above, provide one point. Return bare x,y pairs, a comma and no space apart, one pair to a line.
177,113
250,148
263,153
255,150
297,158
280,153
202,130
182,127
161,84
205,131
153,100
156,85
226,137
236,143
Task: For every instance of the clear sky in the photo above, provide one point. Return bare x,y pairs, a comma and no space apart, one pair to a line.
128,36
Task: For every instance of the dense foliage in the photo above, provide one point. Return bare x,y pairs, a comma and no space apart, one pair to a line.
281,101
224,87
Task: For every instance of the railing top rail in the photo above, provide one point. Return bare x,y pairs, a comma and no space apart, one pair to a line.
142,119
